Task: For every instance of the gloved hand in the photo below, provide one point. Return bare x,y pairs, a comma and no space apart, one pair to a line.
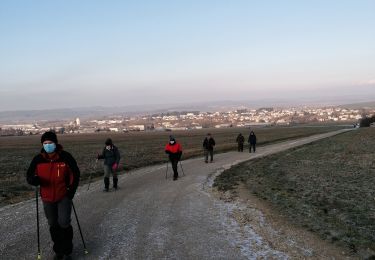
35,181
114,166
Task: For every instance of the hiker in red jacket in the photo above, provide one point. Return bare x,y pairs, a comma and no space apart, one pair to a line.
174,150
57,173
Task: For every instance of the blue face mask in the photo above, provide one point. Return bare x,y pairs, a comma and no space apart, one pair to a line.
49,148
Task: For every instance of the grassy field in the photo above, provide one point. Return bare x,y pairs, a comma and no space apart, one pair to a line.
326,187
137,149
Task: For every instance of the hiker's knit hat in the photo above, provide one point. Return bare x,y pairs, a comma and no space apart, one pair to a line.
108,141
49,136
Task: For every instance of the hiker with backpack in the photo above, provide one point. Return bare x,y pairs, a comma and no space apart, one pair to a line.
252,141
111,156
240,140
57,174
208,146
174,151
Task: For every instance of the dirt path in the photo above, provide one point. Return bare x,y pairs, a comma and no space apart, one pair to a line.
150,217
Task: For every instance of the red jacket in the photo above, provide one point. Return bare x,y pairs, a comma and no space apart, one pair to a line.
173,148
58,175
174,151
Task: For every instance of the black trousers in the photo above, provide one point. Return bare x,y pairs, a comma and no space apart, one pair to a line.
174,162
253,146
240,147
208,152
59,220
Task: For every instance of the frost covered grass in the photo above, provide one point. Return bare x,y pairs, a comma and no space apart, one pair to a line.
326,187
137,149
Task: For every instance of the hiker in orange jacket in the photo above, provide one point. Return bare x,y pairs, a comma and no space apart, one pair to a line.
174,150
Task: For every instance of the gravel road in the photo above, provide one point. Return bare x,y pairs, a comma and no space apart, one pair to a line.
150,217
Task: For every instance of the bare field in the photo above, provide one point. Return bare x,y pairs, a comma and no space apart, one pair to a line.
326,187
137,149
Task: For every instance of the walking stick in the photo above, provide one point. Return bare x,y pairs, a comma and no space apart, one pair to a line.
183,173
96,162
80,231
37,221
166,172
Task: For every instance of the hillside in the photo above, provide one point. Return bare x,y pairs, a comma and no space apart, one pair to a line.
151,217
364,105
325,187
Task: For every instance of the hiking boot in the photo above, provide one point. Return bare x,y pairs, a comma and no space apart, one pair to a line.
58,257
175,178
115,181
106,184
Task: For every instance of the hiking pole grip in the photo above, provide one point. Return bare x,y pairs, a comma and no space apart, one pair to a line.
79,228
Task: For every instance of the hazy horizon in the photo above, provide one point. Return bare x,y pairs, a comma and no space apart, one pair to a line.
119,53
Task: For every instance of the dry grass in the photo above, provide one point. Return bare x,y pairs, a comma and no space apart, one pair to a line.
137,149
326,187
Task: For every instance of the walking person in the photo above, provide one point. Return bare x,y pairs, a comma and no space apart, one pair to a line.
252,141
208,146
111,156
240,141
57,174
174,151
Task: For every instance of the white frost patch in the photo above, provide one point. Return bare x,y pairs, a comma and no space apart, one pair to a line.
244,237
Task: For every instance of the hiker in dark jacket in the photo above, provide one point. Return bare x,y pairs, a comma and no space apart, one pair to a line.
208,146
240,140
57,173
111,156
174,151
252,141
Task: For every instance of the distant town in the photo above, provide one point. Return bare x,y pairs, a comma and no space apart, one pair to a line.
185,120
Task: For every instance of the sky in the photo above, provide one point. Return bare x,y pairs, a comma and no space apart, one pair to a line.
58,54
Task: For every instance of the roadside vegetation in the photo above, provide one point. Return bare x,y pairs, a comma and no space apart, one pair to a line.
326,187
367,121
137,149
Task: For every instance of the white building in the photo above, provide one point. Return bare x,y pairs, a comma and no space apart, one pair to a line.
137,127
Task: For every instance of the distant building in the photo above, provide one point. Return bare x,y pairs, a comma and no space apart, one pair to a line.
178,128
136,127
223,126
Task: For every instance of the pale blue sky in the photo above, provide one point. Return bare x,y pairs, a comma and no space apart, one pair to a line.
57,54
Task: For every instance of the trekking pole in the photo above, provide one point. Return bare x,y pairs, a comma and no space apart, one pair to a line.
183,173
37,221
80,231
96,162
166,172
